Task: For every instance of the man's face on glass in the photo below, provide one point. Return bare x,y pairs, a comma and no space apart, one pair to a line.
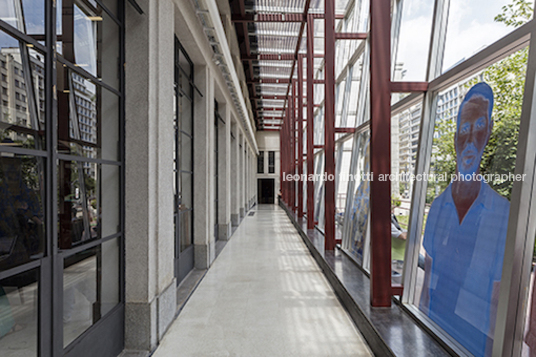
472,135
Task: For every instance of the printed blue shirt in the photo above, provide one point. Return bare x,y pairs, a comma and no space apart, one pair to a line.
466,260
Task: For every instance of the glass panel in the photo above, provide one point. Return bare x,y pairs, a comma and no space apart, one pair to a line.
85,40
110,200
88,120
32,11
186,191
473,161
184,64
108,47
22,116
110,275
34,16
185,112
185,155
22,194
474,25
185,229
344,177
271,162
111,5
80,308
356,230
260,162
414,41
404,145
78,203
19,296
90,287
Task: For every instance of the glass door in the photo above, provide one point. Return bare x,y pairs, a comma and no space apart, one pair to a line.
183,163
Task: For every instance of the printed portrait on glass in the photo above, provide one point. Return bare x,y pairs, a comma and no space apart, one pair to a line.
465,236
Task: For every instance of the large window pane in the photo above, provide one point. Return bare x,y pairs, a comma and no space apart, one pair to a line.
88,123
22,197
473,25
22,94
27,15
88,202
404,145
90,288
476,132
354,239
414,40
18,314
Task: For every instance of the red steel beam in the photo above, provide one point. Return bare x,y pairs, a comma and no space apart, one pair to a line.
380,152
397,289
329,125
318,146
269,57
300,134
271,97
351,36
288,17
310,123
279,80
409,87
344,130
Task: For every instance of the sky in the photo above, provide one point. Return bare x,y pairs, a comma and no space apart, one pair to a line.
471,27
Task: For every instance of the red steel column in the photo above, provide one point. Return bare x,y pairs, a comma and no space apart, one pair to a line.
292,156
287,154
300,134
380,152
310,121
329,125
294,144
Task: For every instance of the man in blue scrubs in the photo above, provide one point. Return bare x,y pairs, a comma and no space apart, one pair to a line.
465,237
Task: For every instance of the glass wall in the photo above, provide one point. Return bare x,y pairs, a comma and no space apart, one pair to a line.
61,174
462,213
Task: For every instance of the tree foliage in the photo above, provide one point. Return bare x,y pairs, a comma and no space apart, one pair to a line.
507,79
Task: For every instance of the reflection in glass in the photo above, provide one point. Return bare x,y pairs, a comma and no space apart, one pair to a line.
88,123
90,288
78,203
85,41
21,209
28,18
22,94
185,228
18,314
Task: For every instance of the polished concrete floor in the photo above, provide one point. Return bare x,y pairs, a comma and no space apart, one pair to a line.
263,296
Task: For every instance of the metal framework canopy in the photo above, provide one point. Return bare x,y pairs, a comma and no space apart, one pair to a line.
271,34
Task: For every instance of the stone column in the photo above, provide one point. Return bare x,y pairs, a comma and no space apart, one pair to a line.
149,239
204,251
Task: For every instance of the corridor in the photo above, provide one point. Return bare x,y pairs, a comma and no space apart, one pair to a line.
263,296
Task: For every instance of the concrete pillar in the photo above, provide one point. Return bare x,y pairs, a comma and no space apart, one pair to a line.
204,250
149,246
235,177
224,175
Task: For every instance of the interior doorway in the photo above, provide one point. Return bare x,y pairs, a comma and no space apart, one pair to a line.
266,190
